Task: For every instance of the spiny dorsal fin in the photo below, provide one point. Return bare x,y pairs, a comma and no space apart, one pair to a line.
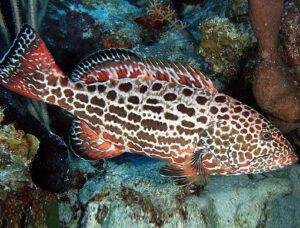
165,70
114,64
105,65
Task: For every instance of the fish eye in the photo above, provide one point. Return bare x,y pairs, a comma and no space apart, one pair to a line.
266,136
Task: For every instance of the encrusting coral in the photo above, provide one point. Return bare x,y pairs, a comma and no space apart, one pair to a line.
223,43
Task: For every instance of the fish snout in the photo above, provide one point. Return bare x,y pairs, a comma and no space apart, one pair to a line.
293,158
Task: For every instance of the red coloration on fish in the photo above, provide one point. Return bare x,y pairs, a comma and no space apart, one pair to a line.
125,103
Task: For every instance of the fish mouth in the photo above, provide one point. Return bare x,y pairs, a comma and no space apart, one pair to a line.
274,163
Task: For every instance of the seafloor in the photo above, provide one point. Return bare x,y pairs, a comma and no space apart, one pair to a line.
42,183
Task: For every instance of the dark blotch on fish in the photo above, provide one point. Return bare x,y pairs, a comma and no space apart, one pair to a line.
170,97
156,86
125,87
134,100
111,95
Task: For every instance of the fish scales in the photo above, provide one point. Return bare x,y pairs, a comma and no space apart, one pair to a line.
125,103
142,116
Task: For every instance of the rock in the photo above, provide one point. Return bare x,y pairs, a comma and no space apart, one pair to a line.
132,193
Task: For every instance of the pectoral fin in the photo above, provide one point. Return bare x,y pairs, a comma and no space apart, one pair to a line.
87,142
191,172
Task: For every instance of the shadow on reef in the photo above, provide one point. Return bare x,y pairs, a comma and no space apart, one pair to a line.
51,168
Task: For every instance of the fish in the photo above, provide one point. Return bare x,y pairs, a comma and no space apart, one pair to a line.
122,102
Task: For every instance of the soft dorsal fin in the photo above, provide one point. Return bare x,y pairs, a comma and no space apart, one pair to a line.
111,64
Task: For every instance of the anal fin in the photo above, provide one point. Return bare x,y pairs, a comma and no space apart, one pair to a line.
87,143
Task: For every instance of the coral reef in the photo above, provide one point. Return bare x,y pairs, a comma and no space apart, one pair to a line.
21,202
223,42
127,191
274,91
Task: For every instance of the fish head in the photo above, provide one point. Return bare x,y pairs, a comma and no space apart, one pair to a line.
245,143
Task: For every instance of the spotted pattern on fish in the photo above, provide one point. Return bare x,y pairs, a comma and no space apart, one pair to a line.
125,103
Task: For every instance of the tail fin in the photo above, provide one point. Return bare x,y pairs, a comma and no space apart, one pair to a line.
28,66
